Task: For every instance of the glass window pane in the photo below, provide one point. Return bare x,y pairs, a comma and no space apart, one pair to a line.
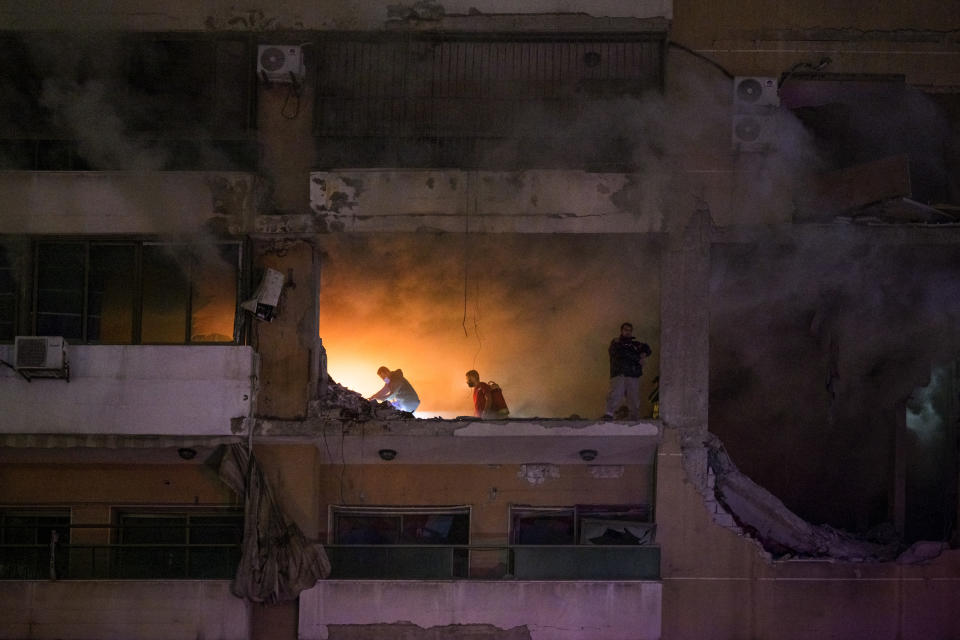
166,292
111,294
8,293
60,281
363,529
214,302
225,529
543,527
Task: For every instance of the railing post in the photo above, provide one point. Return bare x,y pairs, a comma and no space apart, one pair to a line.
54,536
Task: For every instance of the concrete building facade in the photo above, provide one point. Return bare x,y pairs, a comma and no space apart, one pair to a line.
233,216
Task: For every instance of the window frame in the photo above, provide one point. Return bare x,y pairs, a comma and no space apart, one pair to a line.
184,572
395,511
138,243
41,563
634,512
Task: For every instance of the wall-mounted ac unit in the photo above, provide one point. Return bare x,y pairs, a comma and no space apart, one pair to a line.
754,132
280,63
755,104
39,353
755,91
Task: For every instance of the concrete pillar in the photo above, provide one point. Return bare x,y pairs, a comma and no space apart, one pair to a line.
684,336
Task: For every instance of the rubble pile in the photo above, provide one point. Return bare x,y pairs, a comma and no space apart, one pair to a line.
347,404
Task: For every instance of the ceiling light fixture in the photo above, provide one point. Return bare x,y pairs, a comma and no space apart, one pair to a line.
588,454
387,454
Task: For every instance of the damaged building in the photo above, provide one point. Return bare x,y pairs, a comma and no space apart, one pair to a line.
218,222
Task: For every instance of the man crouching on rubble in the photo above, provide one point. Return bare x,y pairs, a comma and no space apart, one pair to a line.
396,390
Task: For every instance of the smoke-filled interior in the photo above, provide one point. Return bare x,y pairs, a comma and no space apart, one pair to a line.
533,313
821,349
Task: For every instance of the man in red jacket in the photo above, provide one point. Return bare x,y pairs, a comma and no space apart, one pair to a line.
488,402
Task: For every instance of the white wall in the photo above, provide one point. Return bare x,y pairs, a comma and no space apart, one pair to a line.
555,610
122,610
132,389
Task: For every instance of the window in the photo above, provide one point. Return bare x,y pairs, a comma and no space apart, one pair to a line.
172,545
373,525
25,539
8,296
581,524
399,542
114,292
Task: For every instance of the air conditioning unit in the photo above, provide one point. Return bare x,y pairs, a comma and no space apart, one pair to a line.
754,132
752,92
39,353
755,104
280,63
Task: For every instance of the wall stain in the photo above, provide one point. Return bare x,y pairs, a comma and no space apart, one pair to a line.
410,631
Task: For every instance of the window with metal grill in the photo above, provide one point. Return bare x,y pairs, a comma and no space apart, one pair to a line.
475,99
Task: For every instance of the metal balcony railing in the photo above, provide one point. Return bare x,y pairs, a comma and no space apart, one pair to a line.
118,561
61,559
349,562
497,562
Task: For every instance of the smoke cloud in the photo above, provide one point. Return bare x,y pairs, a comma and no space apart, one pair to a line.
533,313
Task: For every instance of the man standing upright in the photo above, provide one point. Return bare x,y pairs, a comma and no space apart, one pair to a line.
626,366
488,402
481,393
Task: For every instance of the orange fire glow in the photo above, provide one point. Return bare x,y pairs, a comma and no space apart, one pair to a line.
534,314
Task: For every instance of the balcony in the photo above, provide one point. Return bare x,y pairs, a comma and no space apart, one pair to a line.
132,390
520,562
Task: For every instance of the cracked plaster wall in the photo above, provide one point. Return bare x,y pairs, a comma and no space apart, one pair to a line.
480,201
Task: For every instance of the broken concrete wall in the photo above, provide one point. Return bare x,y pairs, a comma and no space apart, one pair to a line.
718,581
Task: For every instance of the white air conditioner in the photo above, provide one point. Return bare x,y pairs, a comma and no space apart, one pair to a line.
754,132
39,353
756,101
280,63
752,92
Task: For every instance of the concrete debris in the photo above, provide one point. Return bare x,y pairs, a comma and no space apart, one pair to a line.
346,404
922,551
761,515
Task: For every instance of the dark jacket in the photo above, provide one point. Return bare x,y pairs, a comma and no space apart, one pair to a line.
625,357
